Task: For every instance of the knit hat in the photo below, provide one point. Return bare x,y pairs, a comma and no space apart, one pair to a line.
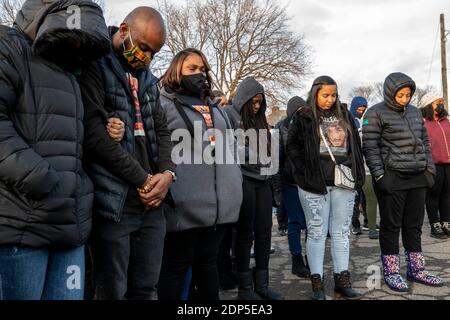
428,99
356,103
359,102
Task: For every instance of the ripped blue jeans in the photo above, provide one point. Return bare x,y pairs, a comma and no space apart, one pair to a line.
328,213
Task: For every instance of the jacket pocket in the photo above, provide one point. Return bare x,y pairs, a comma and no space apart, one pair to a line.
386,184
387,159
16,197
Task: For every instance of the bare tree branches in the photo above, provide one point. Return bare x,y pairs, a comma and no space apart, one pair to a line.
241,38
420,93
8,11
362,91
101,4
375,93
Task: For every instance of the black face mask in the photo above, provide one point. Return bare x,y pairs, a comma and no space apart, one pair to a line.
359,115
440,109
195,85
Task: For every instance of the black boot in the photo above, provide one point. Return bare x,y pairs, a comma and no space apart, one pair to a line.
226,282
318,292
262,286
299,268
446,228
246,291
437,232
343,286
307,263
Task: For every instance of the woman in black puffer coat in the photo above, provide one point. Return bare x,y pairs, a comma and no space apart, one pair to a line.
397,151
45,196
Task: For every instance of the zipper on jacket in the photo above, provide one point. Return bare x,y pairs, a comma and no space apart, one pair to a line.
412,132
211,108
76,88
388,157
315,136
215,165
217,196
445,140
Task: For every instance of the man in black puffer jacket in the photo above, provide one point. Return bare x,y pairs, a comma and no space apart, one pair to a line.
45,196
129,225
397,151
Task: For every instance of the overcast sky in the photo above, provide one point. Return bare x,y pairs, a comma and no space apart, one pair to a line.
359,42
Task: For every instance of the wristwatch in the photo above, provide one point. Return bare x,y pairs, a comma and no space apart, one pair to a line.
174,176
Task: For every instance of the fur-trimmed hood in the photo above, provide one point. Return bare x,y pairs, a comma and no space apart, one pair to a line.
66,32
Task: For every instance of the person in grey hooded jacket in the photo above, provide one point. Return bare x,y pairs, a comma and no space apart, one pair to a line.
207,194
248,114
45,196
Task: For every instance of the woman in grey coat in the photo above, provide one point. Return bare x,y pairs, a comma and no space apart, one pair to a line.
207,193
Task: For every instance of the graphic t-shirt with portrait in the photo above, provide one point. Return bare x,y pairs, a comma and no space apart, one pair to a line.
336,134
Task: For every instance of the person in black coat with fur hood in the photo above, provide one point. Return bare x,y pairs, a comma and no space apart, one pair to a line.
45,196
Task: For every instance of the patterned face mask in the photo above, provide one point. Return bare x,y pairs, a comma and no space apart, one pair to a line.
135,56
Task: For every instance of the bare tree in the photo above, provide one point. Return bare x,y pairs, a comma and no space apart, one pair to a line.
378,92
420,93
375,93
362,91
9,9
101,3
241,38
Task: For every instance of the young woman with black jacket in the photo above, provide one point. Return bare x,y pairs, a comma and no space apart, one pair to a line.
321,131
397,151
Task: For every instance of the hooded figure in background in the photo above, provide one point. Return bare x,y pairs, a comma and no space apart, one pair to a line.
285,170
248,113
45,196
242,117
357,109
285,166
286,191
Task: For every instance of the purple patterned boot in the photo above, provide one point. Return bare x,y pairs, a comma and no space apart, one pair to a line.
417,273
392,277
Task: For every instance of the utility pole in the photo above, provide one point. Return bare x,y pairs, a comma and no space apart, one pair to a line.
444,34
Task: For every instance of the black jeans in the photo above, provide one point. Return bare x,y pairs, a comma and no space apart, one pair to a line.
127,255
197,248
225,259
255,224
438,197
401,211
360,201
